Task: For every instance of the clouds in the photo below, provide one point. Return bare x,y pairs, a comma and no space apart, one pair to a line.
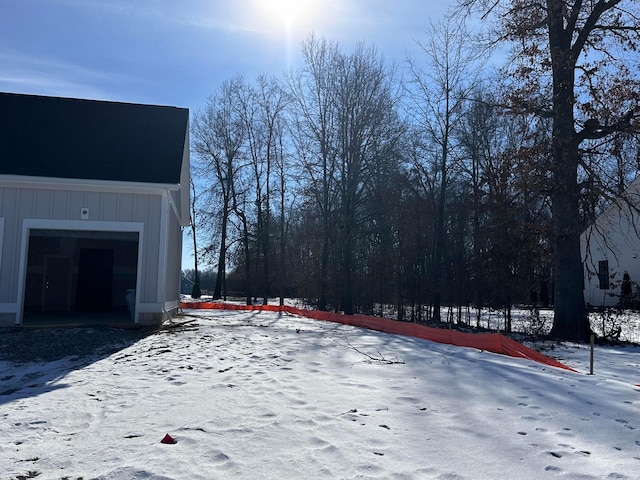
168,15
23,72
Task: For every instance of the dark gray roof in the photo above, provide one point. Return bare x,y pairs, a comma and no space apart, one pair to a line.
95,140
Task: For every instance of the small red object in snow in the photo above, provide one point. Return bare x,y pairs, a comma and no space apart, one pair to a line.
168,439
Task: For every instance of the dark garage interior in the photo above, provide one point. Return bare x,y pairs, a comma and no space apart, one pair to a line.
80,277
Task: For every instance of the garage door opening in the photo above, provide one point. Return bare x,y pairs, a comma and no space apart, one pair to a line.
83,277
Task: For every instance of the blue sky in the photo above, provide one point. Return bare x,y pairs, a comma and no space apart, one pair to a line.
177,52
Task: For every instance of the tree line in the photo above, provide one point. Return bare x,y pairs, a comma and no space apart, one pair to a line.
360,185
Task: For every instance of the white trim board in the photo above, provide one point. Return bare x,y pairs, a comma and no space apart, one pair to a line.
80,184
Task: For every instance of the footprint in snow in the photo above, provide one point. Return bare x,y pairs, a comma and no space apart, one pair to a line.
625,423
530,418
219,457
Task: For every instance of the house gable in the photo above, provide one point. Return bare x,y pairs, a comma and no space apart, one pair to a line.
91,140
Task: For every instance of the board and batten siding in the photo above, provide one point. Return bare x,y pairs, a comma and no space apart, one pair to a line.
18,204
174,261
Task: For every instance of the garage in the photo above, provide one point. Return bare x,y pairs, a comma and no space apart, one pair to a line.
75,275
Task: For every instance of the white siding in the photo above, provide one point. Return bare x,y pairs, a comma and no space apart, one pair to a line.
174,262
11,239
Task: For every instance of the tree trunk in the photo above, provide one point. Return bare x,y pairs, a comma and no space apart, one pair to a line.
324,269
266,247
570,318
282,230
437,253
282,255
247,261
220,277
325,207
195,291
347,271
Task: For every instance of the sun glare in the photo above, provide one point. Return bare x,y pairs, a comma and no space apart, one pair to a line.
287,21
288,12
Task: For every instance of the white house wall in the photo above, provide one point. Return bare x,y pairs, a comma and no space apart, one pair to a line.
182,197
174,262
19,204
615,237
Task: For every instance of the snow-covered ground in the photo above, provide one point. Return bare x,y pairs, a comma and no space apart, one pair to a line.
268,396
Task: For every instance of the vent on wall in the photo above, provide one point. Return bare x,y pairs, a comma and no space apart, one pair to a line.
84,213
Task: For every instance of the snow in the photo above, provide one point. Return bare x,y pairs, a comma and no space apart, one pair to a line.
270,396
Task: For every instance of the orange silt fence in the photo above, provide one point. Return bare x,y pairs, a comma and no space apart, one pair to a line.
491,342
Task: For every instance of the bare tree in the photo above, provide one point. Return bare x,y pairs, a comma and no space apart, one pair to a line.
346,124
218,134
367,135
280,159
314,131
437,93
261,107
273,101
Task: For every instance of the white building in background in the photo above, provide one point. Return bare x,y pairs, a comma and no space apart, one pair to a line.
611,247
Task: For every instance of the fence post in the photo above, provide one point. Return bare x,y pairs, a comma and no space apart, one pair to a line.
591,355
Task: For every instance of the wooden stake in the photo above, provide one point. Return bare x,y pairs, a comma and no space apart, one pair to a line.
591,356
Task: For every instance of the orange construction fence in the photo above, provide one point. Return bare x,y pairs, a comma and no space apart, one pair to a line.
492,342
